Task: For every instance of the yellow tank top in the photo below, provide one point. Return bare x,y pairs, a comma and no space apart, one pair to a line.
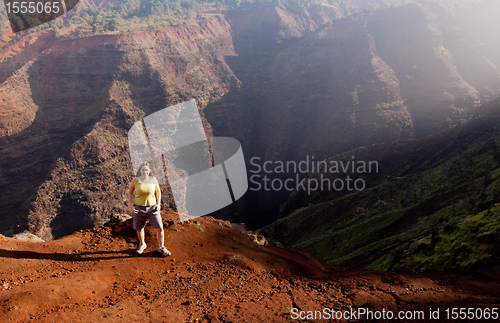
145,192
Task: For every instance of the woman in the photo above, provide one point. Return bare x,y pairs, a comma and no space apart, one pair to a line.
146,203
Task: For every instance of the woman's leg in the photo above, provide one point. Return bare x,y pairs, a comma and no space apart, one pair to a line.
140,235
160,236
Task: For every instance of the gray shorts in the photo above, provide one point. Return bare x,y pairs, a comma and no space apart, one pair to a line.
144,212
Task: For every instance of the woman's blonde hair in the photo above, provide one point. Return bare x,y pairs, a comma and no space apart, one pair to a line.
138,174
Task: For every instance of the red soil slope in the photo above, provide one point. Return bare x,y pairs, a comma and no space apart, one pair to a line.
215,274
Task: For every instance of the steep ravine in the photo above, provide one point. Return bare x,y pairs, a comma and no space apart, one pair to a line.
285,84
395,74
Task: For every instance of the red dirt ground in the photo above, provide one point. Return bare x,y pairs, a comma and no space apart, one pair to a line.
215,274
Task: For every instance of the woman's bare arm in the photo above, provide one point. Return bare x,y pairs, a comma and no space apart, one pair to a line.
158,197
131,190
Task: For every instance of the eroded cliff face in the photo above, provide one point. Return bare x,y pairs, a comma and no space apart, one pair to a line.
282,83
435,93
67,166
394,74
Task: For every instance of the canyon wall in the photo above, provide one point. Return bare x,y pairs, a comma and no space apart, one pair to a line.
287,85
66,166
393,74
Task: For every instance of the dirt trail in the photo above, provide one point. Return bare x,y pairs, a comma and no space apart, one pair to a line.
216,274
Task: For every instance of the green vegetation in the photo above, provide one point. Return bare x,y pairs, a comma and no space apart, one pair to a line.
436,208
9,232
137,15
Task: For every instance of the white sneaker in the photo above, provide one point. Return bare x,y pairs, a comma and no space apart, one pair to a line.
141,248
164,251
